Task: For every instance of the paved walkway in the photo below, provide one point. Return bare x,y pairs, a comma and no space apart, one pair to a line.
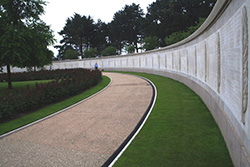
85,135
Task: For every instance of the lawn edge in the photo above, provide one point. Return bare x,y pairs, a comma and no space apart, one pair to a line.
121,149
58,112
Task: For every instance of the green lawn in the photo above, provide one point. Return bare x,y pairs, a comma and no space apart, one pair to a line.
20,85
14,124
180,132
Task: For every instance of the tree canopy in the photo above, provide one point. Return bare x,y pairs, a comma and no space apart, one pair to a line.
81,33
167,16
126,27
24,37
133,29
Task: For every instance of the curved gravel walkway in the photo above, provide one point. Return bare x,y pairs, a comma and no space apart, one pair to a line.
85,135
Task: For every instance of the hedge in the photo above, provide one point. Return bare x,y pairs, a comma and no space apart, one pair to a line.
67,83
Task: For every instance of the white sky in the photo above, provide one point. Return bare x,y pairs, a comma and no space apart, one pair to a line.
57,11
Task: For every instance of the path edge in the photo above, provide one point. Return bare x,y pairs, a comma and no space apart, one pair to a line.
58,112
120,150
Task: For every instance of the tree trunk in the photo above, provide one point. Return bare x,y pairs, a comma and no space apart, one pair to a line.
9,76
81,50
136,47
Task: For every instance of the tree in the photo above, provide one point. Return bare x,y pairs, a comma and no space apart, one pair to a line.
151,43
100,36
38,38
180,35
20,23
70,54
167,16
111,50
126,27
78,33
90,52
130,48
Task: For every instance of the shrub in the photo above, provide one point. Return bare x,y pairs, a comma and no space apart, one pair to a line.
151,43
67,83
111,50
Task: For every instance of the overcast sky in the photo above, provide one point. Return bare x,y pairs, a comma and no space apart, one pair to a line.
57,11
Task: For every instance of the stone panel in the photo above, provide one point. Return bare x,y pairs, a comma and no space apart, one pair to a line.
201,60
136,61
162,61
176,61
213,61
149,61
124,62
191,60
184,61
169,58
231,63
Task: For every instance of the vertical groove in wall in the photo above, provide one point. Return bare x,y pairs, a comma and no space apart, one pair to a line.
179,55
195,60
159,62
152,60
172,60
244,63
206,61
139,61
186,53
166,61
219,63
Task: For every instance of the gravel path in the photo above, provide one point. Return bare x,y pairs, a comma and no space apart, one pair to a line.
85,135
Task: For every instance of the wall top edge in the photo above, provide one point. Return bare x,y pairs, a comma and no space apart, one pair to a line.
216,12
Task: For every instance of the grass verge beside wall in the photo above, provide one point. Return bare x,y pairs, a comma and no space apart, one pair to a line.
180,132
14,124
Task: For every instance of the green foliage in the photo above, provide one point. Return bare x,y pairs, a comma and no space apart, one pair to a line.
130,49
23,36
151,43
165,17
70,54
28,99
45,111
91,52
80,33
130,26
126,26
111,50
180,35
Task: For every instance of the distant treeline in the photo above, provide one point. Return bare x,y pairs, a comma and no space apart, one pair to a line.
131,30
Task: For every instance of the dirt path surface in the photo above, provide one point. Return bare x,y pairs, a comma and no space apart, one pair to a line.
85,135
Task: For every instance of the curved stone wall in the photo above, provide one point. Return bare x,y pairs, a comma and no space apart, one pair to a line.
213,62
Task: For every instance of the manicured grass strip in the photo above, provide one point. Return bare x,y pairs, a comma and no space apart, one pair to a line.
20,84
14,124
180,132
